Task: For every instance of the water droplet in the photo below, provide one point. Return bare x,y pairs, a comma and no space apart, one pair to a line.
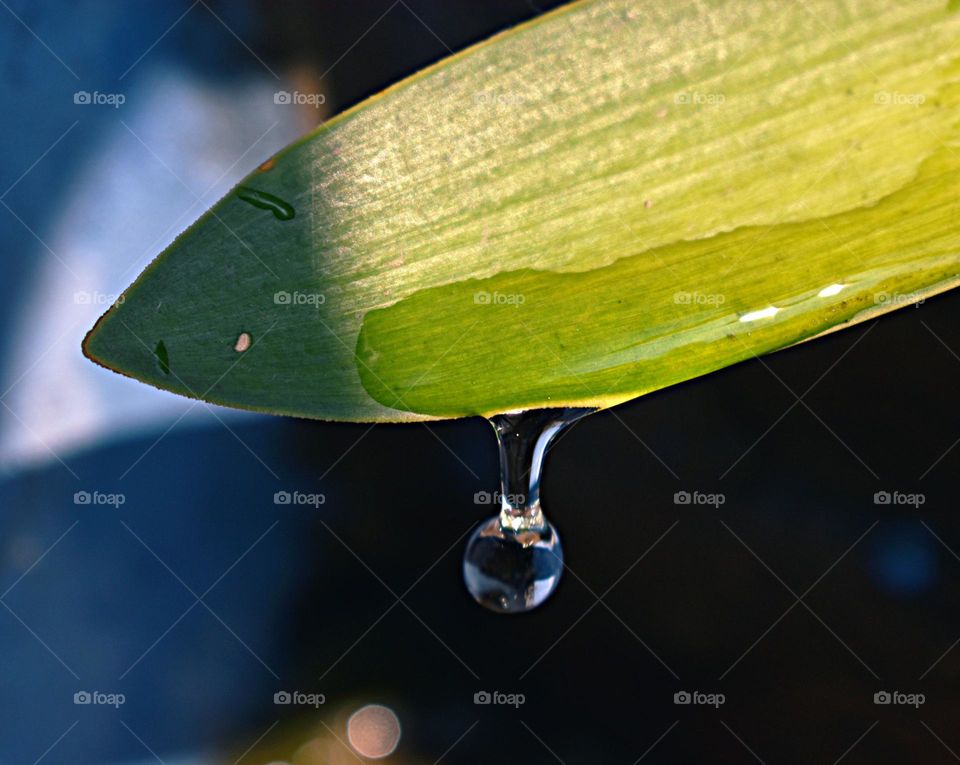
830,291
243,342
764,313
264,201
163,358
514,560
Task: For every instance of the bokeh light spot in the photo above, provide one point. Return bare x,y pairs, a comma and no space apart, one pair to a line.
374,731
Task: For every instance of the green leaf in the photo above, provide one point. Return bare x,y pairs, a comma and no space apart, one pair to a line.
611,199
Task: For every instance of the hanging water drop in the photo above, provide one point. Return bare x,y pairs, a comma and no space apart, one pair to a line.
514,560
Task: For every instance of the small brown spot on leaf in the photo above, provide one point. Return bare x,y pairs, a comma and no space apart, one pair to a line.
243,342
268,165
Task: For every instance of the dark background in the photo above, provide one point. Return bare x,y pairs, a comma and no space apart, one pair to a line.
658,597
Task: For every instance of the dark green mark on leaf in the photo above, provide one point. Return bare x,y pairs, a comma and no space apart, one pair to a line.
261,199
163,358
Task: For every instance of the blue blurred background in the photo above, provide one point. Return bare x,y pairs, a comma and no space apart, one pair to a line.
199,598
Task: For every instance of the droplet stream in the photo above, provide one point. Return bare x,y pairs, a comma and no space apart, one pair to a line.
513,561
